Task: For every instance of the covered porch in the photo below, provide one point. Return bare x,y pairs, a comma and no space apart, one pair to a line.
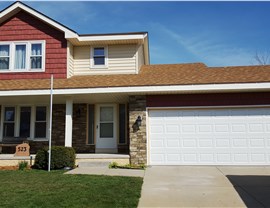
88,122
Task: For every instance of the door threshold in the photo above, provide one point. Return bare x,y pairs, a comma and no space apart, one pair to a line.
106,150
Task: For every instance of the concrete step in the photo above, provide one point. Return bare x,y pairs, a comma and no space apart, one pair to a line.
93,164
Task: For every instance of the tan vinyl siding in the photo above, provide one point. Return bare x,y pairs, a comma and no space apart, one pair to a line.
140,58
70,68
121,60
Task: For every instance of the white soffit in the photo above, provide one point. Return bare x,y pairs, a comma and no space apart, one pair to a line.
147,89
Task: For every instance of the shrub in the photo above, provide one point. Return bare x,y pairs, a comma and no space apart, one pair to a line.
60,157
113,165
23,165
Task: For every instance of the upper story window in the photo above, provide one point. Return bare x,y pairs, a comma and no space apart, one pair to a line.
4,57
99,57
22,56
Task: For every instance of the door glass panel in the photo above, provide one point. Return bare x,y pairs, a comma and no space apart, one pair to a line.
106,122
106,114
25,117
106,130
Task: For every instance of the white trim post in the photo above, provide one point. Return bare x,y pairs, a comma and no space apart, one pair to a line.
50,128
68,132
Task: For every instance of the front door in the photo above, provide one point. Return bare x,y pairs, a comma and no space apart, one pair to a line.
106,129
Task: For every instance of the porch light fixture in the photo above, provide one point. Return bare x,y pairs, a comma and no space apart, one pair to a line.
139,121
78,112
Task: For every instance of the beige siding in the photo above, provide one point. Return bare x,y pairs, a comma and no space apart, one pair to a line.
140,58
70,63
121,60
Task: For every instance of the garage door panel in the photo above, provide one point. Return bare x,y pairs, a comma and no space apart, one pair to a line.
210,137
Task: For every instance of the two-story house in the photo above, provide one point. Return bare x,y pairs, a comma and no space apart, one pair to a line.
107,98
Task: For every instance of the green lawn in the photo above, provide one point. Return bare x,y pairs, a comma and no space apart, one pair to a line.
42,189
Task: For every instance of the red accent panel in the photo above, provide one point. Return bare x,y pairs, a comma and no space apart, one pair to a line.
215,99
24,26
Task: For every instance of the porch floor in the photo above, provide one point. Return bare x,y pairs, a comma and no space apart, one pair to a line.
102,156
78,156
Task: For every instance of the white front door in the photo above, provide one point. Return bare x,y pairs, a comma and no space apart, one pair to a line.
106,129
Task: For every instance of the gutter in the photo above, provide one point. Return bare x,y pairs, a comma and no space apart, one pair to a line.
173,89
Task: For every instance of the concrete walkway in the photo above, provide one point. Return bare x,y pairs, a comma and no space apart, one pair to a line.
206,186
107,171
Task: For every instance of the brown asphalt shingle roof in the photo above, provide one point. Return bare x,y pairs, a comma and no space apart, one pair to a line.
152,75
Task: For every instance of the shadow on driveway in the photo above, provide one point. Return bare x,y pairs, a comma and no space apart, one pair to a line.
252,187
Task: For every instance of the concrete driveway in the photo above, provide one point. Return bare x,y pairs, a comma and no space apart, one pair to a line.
206,186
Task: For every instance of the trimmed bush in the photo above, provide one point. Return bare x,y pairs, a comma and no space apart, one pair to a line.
23,165
61,157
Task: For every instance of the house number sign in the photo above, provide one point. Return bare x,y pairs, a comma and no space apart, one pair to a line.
22,150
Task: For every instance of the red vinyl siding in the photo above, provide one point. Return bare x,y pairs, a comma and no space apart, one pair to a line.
215,99
23,26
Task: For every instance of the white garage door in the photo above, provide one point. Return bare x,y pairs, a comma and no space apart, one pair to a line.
236,136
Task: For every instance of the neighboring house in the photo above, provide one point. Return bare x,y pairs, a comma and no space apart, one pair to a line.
190,113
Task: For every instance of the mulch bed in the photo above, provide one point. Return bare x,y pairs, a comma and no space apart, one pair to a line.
8,167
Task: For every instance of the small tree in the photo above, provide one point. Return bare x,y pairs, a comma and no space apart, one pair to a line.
262,58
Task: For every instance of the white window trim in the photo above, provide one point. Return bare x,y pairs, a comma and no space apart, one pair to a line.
12,45
92,65
32,121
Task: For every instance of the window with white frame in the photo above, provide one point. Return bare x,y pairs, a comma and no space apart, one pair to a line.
4,57
25,122
9,122
99,57
40,122
22,56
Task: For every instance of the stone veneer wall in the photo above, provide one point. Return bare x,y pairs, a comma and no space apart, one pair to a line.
137,148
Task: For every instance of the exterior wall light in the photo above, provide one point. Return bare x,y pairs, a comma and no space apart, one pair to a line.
139,121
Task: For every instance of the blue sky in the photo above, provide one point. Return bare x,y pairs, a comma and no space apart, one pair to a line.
215,33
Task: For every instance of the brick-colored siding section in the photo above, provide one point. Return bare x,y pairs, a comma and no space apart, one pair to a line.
23,26
213,99
137,107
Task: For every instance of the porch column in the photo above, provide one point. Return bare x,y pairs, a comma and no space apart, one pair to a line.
137,145
68,132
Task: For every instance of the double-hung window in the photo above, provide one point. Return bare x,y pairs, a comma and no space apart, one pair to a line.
40,122
9,122
36,56
99,57
4,57
25,122
22,56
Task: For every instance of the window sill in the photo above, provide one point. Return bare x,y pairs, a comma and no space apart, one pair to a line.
39,140
22,71
99,67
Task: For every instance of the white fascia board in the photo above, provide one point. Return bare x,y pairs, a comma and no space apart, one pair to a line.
68,33
146,89
111,37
